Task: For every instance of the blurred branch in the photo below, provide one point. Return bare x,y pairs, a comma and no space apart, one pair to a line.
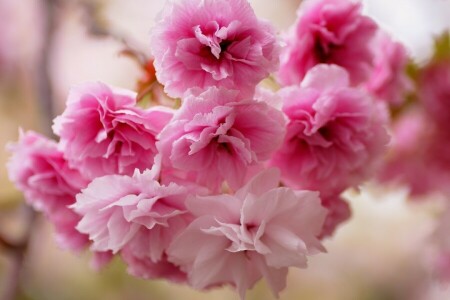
17,252
43,81
45,99
7,244
97,26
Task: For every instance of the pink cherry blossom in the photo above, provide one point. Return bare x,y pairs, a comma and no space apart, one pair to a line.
259,231
330,32
434,90
101,259
49,185
219,43
419,156
40,171
218,136
64,221
389,81
102,132
135,214
335,133
338,212
143,267
405,163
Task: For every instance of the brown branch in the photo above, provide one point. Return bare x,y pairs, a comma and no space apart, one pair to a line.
17,253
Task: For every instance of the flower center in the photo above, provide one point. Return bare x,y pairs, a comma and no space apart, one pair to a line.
212,36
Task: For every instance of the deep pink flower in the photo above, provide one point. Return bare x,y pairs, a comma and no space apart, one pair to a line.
219,43
335,133
49,185
135,214
258,232
434,91
102,132
217,136
329,32
389,81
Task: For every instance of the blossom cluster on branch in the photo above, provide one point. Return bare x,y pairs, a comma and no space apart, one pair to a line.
239,182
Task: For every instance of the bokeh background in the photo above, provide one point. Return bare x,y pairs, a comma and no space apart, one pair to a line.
380,254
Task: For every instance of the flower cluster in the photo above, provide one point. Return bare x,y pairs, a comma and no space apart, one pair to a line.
419,157
238,183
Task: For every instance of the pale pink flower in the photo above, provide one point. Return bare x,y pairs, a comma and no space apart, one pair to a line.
133,213
329,32
102,132
434,91
217,136
219,43
389,81
335,133
259,231
49,185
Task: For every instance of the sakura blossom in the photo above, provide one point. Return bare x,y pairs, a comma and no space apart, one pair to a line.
328,32
142,216
338,212
259,231
217,135
64,221
241,150
217,43
102,132
418,158
389,81
40,171
143,267
335,133
434,90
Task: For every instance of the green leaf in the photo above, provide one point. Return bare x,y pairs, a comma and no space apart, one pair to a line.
442,47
